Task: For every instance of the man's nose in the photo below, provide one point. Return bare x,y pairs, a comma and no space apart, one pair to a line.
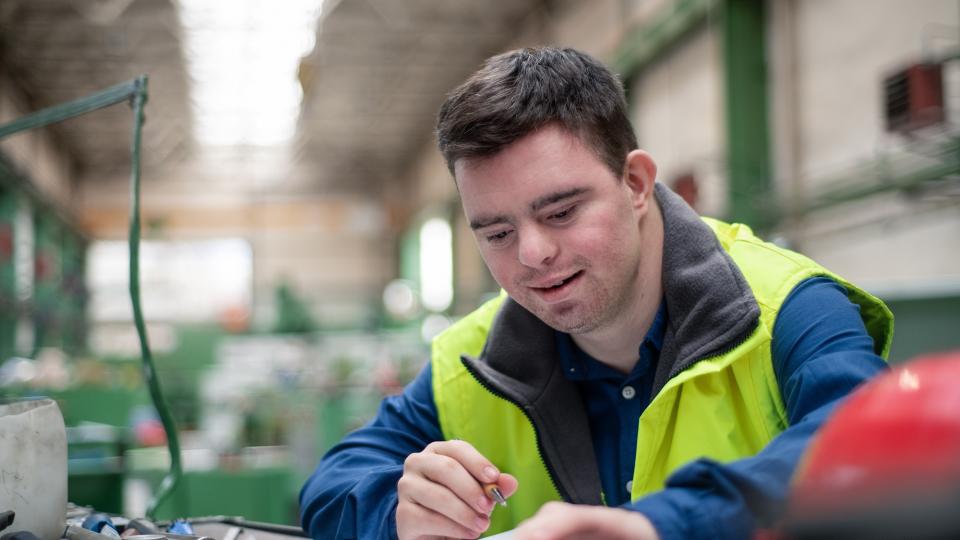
537,248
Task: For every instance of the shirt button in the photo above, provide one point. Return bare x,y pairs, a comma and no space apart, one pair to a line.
628,392
629,486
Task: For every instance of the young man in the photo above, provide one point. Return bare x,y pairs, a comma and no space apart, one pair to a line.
659,372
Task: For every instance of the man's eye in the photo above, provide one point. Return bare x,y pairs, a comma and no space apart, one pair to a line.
498,237
564,214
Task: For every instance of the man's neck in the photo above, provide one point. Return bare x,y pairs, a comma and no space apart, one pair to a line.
618,344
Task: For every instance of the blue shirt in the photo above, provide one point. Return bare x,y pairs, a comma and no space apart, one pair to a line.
820,349
614,403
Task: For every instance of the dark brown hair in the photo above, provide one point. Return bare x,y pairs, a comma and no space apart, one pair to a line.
515,93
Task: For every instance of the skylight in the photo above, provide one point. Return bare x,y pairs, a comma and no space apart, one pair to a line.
242,58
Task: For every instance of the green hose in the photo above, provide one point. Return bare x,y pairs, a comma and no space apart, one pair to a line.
149,370
136,92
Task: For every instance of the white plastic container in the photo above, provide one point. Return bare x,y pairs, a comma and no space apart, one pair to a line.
33,467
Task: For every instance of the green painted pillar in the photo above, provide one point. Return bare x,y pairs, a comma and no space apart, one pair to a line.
73,292
8,295
46,287
749,169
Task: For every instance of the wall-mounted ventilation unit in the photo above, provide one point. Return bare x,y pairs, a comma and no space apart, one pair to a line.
686,186
914,97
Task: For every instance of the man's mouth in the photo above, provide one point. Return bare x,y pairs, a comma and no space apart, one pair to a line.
554,287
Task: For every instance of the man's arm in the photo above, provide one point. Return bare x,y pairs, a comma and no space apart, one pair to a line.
821,352
397,478
353,492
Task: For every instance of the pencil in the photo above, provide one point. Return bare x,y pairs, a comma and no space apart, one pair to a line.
493,492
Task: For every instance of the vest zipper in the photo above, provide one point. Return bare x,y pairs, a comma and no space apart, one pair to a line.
536,431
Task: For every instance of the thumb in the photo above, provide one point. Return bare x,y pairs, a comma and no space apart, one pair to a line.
508,484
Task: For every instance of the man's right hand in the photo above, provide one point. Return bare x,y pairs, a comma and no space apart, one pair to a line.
441,492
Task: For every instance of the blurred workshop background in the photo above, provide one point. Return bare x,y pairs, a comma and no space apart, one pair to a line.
302,239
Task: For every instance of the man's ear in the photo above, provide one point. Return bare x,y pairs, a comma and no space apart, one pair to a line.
639,175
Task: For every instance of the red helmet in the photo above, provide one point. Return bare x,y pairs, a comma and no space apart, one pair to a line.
887,463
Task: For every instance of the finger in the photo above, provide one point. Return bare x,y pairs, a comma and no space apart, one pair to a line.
448,472
556,521
437,498
472,460
476,464
444,469
547,524
420,523
508,484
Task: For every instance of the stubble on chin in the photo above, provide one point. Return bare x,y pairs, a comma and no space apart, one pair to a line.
571,318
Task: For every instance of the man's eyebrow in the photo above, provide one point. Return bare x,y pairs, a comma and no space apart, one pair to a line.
547,200
538,204
486,221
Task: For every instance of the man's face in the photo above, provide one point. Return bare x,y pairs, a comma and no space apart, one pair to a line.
557,229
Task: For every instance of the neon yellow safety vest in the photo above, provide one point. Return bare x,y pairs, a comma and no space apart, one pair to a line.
725,405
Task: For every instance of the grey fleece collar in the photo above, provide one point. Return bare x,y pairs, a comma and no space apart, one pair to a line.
710,309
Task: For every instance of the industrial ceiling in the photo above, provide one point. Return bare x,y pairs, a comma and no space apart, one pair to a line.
371,86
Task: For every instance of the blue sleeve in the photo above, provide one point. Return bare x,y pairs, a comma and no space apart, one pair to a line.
353,492
821,351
